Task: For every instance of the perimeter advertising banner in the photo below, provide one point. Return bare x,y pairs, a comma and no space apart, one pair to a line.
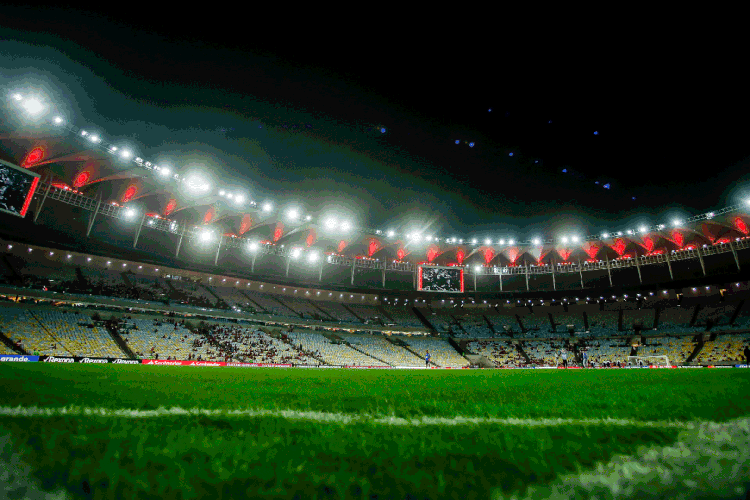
15,358
169,362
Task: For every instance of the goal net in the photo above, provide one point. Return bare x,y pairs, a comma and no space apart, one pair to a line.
648,361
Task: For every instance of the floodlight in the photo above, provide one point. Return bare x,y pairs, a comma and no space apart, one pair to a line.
206,236
488,242
474,241
331,223
296,252
222,192
308,218
676,222
58,120
575,239
126,154
477,268
33,106
642,229
113,148
196,184
605,235
346,226
511,242
164,171
292,214
267,207
536,241
564,239
94,138
501,242
253,246
230,195
130,213
18,97
391,234
313,257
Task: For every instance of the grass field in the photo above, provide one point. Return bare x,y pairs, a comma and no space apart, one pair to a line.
176,432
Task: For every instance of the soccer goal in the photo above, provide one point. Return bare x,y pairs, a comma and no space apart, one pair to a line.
648,361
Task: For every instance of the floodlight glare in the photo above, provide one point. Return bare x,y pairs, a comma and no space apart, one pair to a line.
331,223
575,239
230,195
308,218
488,242
536,241
510,242
130,213
222,192
126,154
501,242
253,246
17,97
292,214
239,199
94,138
313,257
346,226
676,222
295,253
564,239
642,229
58,120
391,234
196,184
605,235
477,268
164,171
33,106
206,236
267,207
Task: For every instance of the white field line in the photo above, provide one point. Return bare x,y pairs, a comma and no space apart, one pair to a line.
711,461
315,416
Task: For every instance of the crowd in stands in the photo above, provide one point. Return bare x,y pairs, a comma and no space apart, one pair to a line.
725,348
499,352
256,346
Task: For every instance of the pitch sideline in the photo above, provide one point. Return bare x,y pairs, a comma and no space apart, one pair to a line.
343,418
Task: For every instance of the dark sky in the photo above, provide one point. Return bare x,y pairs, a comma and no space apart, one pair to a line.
669,109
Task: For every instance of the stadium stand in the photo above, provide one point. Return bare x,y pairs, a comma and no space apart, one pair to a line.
256,346
442,353
403,315
57,333
542,352
500,352
677,349
677,320
379,348
603,323
338,311
332,354
612,351
724,348
164,340
715,315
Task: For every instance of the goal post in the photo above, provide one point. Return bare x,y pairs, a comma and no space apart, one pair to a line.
648,361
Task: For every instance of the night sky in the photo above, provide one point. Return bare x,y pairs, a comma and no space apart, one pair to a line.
669,113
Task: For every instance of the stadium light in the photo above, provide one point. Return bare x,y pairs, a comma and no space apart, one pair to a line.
391,234
312,257
605,235
196,184
206,236
130,213
474,241
164,171
58,120
308,218
239,199
346,226
488,241
511,242
292,214
296,253
536,241
676,223
33,106
575,239
330,223
477,269
564,239
125,154
267,207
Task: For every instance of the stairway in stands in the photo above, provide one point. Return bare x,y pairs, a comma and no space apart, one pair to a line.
110,327
12,345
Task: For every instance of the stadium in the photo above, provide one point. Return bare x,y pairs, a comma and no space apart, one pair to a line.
268,350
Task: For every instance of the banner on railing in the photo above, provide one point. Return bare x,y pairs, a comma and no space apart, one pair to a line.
16,358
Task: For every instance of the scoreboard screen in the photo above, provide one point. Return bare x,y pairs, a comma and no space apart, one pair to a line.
17,186
440,279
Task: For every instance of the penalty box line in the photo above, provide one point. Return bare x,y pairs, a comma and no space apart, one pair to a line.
343,418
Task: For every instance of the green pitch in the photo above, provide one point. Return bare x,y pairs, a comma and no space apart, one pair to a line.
349,433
